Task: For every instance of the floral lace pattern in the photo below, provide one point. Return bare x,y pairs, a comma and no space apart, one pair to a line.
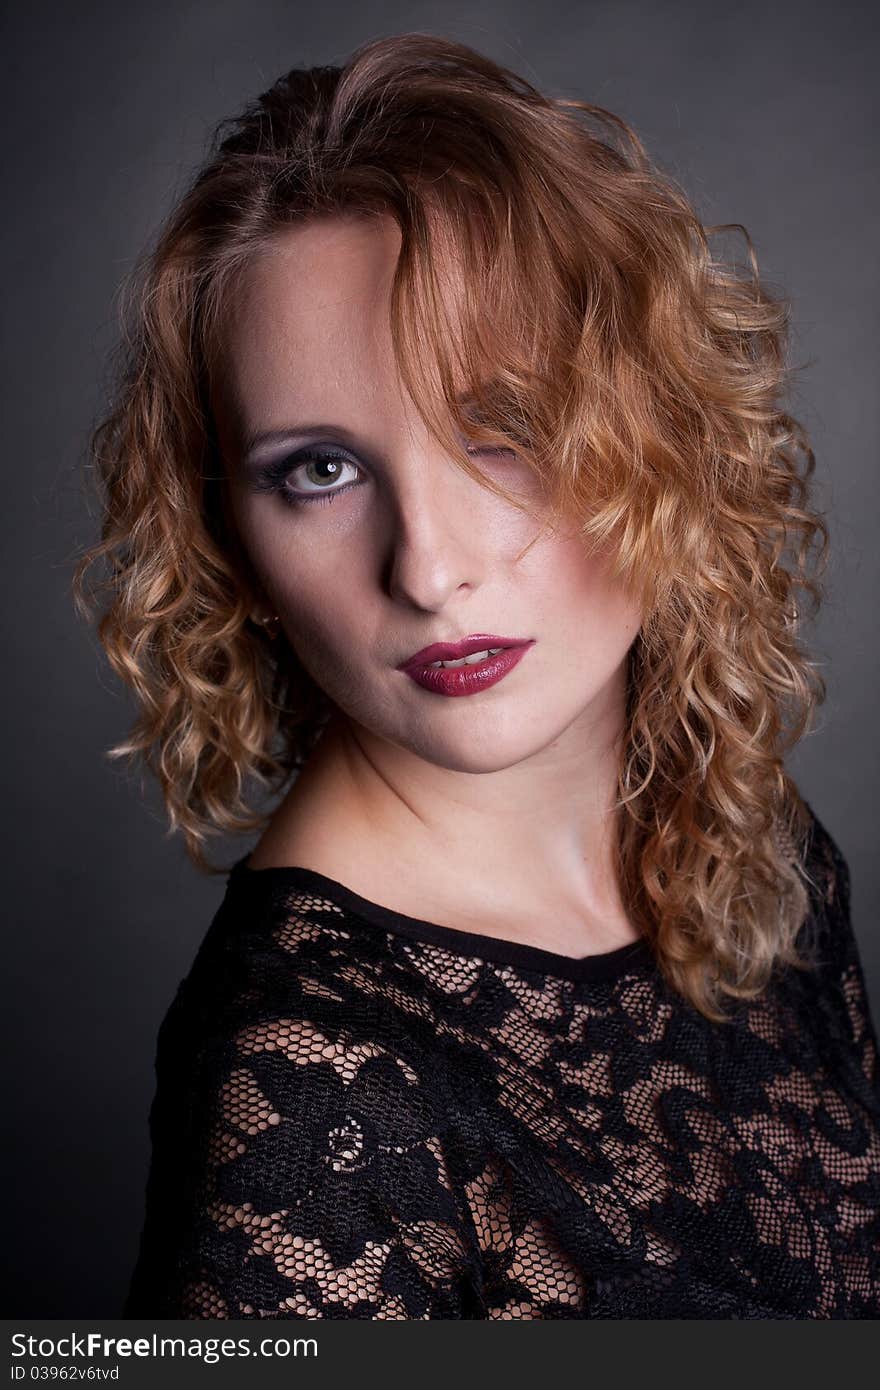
358,1121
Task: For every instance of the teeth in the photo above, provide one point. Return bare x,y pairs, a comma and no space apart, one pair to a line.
468,660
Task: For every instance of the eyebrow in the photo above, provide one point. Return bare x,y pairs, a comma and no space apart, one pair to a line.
260,439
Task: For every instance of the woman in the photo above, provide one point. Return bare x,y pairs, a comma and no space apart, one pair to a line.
538,996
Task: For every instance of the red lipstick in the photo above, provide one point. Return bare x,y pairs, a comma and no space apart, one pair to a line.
471,677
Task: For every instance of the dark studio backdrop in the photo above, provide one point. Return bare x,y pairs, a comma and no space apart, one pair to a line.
767,114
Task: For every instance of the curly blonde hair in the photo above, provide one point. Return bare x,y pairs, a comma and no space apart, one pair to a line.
640,376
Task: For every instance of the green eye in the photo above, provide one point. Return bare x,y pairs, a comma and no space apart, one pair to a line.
322,468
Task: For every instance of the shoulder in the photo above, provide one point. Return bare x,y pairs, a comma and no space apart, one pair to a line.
841,997
290,1026
303,1135
827,879
274,946
826,864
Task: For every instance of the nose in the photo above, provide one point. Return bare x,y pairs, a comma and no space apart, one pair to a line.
438,545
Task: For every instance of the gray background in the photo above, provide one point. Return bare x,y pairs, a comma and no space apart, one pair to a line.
766,114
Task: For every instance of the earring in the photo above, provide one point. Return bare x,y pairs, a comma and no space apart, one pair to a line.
271,623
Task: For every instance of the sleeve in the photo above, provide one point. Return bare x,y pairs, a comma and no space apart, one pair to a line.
296,1172
843,972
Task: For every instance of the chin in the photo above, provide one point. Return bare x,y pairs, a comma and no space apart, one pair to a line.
478,749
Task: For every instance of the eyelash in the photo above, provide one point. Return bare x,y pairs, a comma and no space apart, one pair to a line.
274,475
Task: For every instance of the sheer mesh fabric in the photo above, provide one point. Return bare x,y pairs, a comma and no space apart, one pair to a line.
362,1116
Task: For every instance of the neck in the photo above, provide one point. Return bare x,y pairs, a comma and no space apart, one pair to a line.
541,831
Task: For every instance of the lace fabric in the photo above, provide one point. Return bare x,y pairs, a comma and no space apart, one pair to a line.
360,1116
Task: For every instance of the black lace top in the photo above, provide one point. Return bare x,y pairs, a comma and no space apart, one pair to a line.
362,1115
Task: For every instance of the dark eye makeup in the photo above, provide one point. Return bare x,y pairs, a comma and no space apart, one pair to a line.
273,476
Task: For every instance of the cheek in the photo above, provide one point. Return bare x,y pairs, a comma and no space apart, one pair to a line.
323,632
324,613
314,583
321,615
585,603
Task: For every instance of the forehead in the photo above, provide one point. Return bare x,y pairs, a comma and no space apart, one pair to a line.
308,321
308,309
332,266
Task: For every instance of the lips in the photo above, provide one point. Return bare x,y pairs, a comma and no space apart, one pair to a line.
454,651
469,676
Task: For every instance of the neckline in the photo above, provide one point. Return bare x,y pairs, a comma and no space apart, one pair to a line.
602,965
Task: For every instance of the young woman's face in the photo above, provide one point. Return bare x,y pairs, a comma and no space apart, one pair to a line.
371,544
